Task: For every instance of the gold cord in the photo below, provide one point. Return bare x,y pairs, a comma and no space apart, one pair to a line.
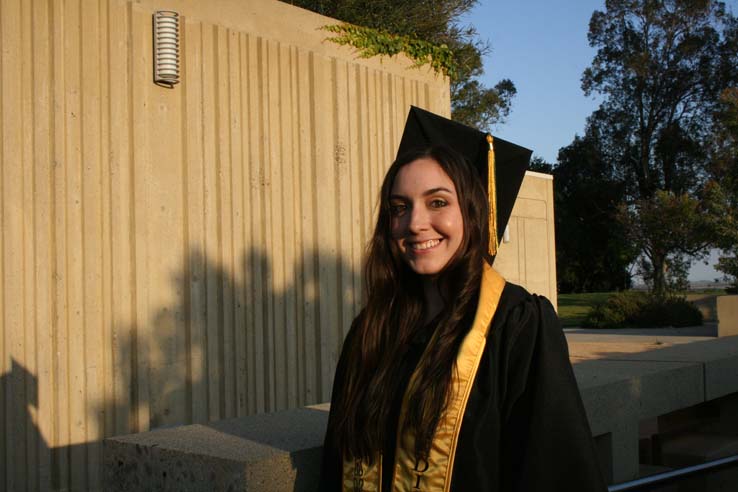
492,196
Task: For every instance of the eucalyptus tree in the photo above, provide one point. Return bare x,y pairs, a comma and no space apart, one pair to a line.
661,66
592,251
725,169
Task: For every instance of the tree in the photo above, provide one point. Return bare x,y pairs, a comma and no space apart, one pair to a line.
725,173
661,66
673,227
472,103
592,249
539,165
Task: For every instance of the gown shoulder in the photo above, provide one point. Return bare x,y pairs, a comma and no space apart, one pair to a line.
525,427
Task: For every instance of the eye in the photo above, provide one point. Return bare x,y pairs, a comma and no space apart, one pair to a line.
438,203
397,209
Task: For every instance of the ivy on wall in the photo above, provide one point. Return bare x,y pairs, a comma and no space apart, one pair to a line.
373,42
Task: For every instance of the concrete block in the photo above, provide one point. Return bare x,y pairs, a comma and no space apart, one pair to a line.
529,258
617,395
607,398
616,389
624,458
617,451
727,314
611,405
263,453
718,356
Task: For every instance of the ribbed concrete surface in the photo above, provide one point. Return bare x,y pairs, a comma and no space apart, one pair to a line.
178,255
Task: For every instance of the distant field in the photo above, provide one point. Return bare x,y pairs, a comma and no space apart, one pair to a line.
573,308
717,292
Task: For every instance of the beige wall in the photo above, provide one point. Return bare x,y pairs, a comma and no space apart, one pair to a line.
183,255
529,258
178,255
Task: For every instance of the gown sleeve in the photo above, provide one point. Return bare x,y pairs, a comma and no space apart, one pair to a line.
546,442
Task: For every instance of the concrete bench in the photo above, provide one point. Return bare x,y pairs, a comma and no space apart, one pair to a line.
281,451
261,453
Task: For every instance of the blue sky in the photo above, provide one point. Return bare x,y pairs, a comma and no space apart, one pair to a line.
541,45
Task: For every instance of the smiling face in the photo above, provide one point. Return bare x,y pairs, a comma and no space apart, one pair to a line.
426,222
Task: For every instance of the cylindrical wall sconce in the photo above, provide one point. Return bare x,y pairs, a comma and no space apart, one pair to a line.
166,48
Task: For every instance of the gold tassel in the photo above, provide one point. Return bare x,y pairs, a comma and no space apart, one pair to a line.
492,196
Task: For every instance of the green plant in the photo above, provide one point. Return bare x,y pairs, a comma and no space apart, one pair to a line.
373,42
669,311
634,309
616,311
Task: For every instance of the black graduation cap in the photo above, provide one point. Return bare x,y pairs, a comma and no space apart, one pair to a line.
499,163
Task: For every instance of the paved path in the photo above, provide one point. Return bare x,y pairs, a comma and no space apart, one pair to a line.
588,344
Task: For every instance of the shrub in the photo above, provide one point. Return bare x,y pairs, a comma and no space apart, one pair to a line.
671,311
642,310
603,316
616,311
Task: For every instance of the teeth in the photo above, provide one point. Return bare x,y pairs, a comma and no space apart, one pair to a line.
425,245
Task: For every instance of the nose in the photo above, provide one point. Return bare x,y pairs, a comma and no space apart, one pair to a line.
418,220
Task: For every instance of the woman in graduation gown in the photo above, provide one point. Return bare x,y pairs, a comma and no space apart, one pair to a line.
452,379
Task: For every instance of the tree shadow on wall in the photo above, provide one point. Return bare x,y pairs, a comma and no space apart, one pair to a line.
258,336
19,469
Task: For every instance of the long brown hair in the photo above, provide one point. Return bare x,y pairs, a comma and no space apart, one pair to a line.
394,312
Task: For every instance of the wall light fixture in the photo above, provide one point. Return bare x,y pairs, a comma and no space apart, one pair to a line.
166,48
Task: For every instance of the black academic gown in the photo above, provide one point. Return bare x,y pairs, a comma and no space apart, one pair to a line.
524,428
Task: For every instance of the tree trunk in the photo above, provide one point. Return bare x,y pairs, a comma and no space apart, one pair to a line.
658,262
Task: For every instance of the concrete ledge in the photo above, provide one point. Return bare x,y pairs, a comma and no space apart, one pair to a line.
617,395
718,357
281,452
262,453
635,390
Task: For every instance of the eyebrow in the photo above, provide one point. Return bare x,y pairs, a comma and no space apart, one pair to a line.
431,191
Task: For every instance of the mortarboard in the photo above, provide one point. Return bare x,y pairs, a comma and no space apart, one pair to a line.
499,163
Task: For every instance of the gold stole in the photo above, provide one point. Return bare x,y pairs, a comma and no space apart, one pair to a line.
435,474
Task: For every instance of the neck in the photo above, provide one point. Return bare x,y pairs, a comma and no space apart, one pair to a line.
433,300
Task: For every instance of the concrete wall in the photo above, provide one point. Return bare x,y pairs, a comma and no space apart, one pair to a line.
178,255
529,258
727,313
182,255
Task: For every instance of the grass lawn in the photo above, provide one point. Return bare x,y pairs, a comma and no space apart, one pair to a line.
573,308
716,292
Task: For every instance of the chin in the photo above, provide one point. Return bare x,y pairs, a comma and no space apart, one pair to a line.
425,268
